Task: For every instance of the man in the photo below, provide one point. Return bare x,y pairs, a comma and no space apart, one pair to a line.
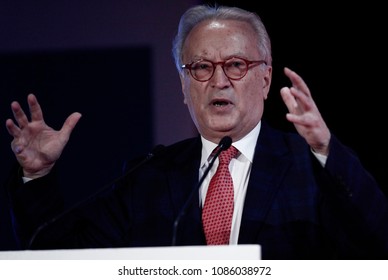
299,196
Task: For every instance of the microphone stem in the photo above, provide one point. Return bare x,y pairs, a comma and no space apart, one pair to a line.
157,150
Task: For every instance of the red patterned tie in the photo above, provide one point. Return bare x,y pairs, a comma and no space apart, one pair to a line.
217,211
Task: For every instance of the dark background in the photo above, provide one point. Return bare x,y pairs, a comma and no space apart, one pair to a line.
340,51
78,56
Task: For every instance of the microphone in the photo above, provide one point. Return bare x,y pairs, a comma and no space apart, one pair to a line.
156,151
223,145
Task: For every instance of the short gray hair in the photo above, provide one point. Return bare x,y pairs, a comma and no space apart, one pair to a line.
199,13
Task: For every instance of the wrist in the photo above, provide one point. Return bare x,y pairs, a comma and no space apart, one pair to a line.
34,174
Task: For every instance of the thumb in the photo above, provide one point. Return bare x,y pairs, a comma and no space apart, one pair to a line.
69,125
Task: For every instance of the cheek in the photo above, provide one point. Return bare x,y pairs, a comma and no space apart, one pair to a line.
252,92
192,93
191,101
252,97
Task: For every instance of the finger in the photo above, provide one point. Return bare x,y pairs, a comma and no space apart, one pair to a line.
308,120
35,109
289,100
19,114
297,119
17,148
297,81
69,125
12,128
304,102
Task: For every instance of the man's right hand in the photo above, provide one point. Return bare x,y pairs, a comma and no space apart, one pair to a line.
36,145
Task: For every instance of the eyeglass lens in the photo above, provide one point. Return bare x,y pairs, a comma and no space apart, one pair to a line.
233,68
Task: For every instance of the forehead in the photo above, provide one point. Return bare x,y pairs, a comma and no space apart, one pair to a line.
220,39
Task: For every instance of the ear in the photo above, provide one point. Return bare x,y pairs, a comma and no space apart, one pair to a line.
183,85
267,78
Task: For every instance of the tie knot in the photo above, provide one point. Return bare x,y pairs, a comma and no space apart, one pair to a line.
226,156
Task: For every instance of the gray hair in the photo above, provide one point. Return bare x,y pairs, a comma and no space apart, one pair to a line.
199,13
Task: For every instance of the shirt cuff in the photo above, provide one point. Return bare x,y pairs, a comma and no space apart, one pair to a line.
26,179
321,158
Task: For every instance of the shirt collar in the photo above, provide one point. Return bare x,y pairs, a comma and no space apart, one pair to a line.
245,145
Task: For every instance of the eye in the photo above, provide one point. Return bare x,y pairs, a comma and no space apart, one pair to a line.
236,63
202,65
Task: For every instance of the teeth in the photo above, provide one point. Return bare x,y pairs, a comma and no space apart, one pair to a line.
218,104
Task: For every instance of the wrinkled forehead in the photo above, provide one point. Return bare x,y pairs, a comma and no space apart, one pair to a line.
220,38
213,27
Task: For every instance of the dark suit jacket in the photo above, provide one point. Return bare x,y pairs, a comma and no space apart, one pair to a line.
294,208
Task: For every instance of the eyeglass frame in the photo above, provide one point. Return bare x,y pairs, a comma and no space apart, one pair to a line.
188,66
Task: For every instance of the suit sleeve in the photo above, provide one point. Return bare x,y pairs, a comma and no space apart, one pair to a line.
39,216
358,208
32,203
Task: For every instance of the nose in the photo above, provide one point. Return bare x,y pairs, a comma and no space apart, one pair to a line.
219,79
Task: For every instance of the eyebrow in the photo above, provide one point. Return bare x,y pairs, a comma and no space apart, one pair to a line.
239,54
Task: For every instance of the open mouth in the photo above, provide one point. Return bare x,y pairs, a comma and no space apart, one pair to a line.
220,103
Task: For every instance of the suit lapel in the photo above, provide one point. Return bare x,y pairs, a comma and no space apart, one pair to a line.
270,163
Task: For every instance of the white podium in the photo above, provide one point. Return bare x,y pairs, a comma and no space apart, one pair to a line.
227,252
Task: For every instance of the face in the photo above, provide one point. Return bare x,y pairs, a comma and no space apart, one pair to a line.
222,106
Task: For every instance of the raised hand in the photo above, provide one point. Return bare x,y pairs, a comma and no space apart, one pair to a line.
36,145
304,114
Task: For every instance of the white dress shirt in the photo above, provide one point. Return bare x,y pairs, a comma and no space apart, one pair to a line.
240,169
